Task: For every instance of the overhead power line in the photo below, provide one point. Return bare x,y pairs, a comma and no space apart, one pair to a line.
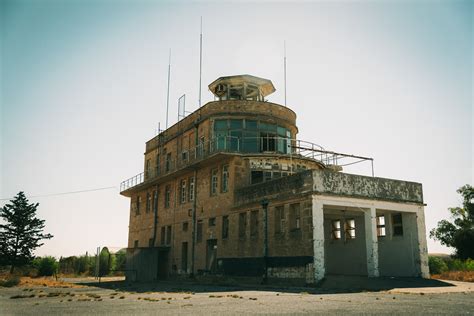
63,193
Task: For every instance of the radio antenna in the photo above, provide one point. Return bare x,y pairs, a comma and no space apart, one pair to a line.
168,93
284,66
200,64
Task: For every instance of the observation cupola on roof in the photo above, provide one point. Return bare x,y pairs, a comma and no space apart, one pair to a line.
241,87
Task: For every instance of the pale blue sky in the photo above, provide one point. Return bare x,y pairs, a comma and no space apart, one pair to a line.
83,86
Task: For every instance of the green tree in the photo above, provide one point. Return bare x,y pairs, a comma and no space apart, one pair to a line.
459,232
21,232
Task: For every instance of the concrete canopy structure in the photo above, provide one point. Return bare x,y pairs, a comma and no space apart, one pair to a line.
230,190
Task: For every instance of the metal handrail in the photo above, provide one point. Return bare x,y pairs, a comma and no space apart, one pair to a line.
275,144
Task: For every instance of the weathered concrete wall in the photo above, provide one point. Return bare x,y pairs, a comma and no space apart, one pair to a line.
299,183
336,183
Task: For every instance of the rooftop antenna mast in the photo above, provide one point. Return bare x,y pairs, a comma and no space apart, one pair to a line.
284,66
200,64
168,93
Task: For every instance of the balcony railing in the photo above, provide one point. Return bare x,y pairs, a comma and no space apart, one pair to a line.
205,148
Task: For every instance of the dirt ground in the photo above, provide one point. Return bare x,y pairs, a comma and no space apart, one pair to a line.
122,298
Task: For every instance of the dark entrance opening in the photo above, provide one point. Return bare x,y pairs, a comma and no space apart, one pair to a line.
184,257
163,258
211,255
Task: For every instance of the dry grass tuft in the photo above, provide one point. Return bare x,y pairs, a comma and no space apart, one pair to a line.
464,276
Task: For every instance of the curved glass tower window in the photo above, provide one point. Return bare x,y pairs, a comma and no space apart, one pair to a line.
251,136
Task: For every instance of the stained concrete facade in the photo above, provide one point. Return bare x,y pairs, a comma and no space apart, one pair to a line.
197,207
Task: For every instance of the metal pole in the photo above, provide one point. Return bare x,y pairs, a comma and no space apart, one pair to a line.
168,94
372,163
284,66
265,240
200,64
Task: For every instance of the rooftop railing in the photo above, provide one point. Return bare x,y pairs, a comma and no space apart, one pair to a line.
167,164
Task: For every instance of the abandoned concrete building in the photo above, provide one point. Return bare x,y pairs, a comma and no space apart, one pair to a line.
229,190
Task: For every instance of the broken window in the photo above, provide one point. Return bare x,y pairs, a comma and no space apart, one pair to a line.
167,196
336,229
225,227
168,235
191,189
254,224
350,232
295,217
279,218
183,191
163,235
212,221
397,224
381,226
225,178
199,231
213,181
242,225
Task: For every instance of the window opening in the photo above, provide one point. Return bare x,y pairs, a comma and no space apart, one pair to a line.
350,232
336,229
225,178
397,224
225,227
381,226
242,225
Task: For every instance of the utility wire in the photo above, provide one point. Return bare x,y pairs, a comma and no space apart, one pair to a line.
63,193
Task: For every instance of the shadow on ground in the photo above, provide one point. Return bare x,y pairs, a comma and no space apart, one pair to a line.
331,284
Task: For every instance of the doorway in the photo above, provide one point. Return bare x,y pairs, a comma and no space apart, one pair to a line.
211,255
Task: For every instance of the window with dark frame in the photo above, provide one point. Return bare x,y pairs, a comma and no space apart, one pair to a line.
135,244
191,189
185,226
147,169
168,235
150,242
254,224
397,224
163,235
199,231
167,196
212,222
214,181
148,202
242,225
381,231
183,191
295,217
279,218
155,201
168,162
225,227
137,205
225,179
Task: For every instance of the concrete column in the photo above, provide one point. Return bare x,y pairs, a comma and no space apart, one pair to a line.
371,244
318,239
421,229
